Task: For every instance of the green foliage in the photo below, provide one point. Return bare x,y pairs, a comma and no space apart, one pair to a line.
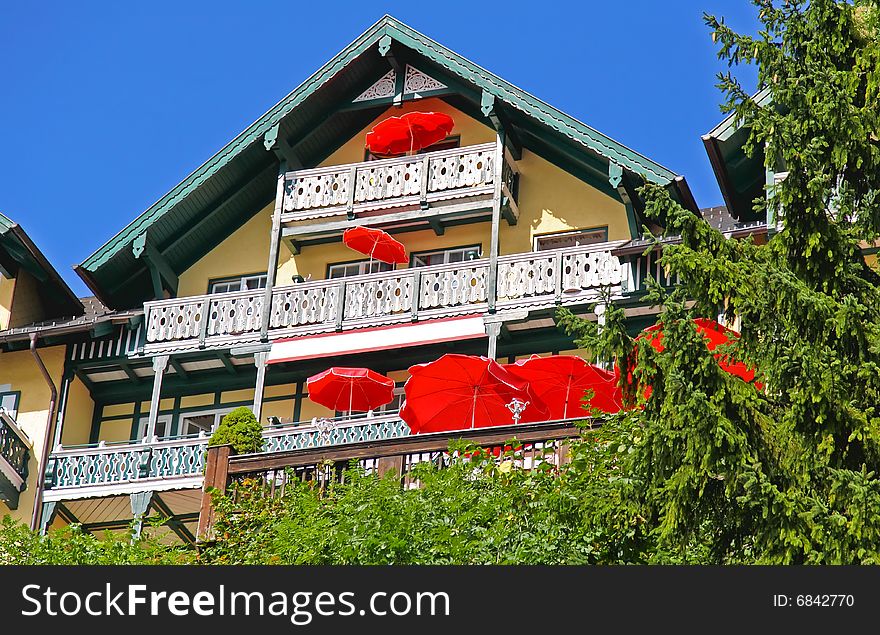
787,474
478,509
241,430
72,546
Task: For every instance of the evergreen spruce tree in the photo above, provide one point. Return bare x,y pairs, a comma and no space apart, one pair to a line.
788,472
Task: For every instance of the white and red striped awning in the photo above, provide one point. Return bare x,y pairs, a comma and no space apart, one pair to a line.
376,339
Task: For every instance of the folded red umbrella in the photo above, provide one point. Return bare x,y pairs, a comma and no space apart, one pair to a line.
350,389
375,243
561,381
408,133
457,392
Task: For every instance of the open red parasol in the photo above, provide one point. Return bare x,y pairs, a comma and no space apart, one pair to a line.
350,389
409,133
458,392
561,381
375,243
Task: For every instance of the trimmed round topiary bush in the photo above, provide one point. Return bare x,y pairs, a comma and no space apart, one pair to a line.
241,430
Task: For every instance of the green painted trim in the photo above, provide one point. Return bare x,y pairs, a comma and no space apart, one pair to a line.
135,420
95,431
632,222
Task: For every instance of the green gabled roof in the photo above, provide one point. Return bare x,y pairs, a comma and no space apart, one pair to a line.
19,253
740,178
120,279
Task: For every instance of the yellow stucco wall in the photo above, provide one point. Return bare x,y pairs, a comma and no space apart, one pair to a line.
77,415
19,369
7,288
245,251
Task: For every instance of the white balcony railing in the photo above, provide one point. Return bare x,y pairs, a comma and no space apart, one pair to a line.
533,280
445,175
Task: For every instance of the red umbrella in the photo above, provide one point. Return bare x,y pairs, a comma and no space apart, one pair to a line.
375,243
465,391
350,389
408,133
560,382
715,335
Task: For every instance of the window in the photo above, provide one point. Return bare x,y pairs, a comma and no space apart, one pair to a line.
444,144
357,268
444,256
243,283
571,239
392,406
195,422
191,423
9,402
163,427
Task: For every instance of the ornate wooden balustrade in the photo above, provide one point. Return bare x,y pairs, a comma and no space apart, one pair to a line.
528,280
534,443
14,456
424,180
106,469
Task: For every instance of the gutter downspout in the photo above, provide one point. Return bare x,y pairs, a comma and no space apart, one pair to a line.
44,457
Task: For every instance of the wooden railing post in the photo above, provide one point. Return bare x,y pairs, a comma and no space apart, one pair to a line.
389,464
340,305
416,294
216,474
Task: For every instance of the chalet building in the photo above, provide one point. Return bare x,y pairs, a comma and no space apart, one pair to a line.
235,287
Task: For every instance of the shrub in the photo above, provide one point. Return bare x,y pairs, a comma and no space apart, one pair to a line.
241,430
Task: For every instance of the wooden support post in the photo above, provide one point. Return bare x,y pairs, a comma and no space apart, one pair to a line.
216,472
140,506
352,188
423,182
492,278
160,364
340,304
493,330
389,464
563,452
260,363
416,294
274,244
206,317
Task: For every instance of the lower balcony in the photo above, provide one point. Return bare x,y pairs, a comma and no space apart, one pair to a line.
110,469
534,280
15,453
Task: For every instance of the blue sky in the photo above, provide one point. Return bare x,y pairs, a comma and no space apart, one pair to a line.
105,106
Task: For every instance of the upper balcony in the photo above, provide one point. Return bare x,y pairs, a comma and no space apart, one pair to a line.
534,280
15,450
454,182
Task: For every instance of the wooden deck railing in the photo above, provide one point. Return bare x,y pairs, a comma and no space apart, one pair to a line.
14,456
274,470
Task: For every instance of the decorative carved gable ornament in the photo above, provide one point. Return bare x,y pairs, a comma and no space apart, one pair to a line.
414,83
